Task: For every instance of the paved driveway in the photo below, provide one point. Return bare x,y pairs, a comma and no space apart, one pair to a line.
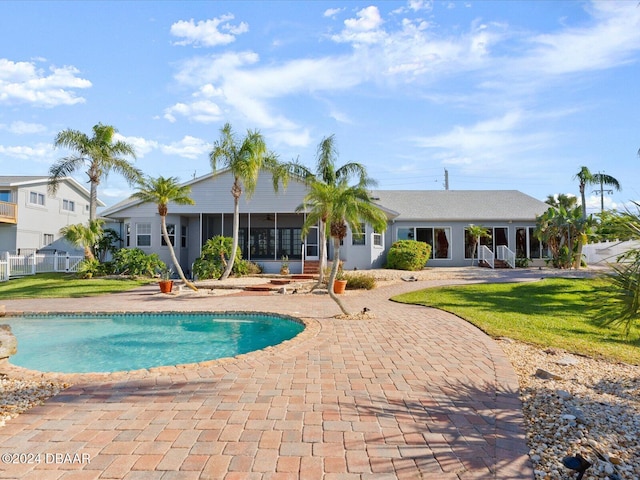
413,393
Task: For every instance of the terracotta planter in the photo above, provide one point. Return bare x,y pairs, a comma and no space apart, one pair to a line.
284,271
166,286
339,286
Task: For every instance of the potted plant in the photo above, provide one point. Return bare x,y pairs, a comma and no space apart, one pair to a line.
340,283
166,284
284,266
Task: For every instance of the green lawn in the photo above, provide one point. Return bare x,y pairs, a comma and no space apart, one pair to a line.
554,312
63,285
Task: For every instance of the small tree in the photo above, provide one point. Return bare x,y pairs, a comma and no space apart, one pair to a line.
85,236
476,232
161,191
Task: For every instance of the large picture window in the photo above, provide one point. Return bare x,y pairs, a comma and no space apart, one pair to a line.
527,244
438,237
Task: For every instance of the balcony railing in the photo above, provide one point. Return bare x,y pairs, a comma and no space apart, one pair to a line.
8,212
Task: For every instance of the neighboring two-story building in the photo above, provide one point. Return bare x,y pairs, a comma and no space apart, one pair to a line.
270,226
31,218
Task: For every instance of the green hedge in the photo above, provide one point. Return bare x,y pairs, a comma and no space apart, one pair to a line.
408,255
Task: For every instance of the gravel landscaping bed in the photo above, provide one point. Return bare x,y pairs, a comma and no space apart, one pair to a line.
584,405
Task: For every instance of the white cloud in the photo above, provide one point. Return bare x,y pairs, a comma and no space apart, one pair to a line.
332,12
142,146
23,82
40,152
202,111
188,147
24,128
610,39
208,33
363,29
487,144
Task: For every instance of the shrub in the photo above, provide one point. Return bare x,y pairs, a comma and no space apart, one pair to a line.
408,255
210,265
360,281
522,262
88,268
133,261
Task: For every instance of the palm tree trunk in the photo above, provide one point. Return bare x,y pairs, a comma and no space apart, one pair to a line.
236,230
165,235
322,250
334,273
93,200
584,201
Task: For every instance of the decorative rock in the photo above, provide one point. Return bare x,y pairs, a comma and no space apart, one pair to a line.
567,361
563,394
546,375
8,342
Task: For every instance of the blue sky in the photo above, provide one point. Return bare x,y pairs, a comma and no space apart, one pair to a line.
503,95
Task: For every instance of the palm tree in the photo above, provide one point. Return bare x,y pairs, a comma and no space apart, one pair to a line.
561,200
565,232
244,159
99,153
585,177
341,205
327,173
476,232
161,191
85,236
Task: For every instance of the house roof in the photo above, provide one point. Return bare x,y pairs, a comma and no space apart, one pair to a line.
26,180
459,205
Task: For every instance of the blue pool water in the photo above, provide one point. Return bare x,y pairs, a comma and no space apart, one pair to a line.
113,342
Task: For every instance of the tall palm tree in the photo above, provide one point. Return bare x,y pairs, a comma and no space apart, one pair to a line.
244,159
585,177
341,205
99,153
85,236
326,172
161,191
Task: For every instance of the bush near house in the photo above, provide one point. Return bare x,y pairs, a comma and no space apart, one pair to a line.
135,262
408,255
215,253
360,281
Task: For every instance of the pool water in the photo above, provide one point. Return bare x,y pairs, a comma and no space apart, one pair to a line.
114,342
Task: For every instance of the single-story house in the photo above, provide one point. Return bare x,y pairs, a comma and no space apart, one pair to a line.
270,227
31,218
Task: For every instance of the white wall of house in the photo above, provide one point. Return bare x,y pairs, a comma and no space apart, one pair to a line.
41,216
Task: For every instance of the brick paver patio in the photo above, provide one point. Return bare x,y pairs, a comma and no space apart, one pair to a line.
413,393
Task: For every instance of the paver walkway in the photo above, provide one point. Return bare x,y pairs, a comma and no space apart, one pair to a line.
414,393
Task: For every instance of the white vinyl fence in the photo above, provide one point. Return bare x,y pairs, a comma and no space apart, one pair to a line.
607,252
21,265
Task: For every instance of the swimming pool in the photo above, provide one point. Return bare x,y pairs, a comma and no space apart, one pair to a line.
81,343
